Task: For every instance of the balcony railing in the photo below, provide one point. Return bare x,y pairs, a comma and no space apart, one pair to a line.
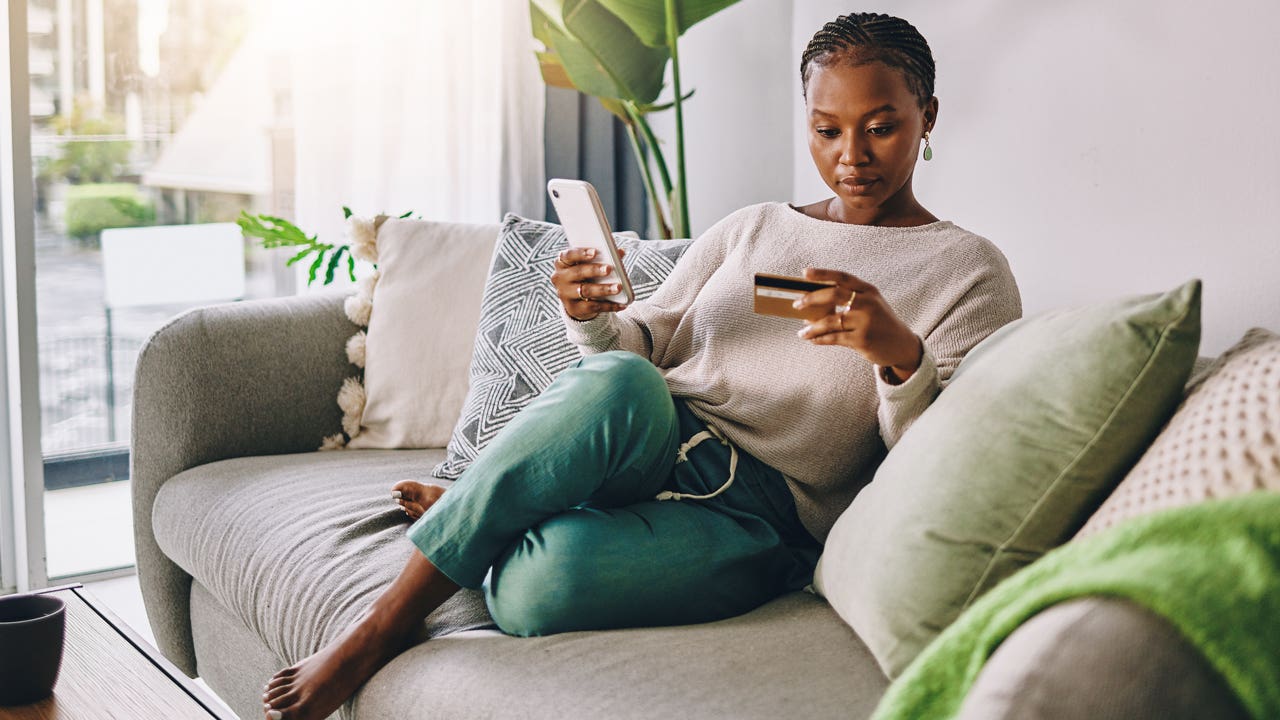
86,386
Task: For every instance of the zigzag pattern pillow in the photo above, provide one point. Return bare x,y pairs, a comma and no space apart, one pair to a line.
520,345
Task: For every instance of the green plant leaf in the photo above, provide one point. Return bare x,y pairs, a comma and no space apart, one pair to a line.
346,212
273,231
553,72
315,266
351,267
333,263
299,256
406,215
662,106
617,108
647,18
600,53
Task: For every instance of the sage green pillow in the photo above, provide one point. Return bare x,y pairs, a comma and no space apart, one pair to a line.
1037,425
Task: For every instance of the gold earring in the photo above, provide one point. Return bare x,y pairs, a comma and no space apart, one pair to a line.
928,151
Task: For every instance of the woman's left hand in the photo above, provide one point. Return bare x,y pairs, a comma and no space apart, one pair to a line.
867,324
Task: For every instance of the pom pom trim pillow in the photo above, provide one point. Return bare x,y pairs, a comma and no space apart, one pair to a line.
521,346
1037,425
414,380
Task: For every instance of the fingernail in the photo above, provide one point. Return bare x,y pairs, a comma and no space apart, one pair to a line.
274,715
591,253
803,330
396,494
797,303
602,270
615,288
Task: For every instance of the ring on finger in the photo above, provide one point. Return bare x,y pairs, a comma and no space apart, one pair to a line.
842,327
580,295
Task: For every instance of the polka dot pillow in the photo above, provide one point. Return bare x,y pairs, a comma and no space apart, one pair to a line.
1223,440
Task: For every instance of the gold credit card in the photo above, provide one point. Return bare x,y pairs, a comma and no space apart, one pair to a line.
775,293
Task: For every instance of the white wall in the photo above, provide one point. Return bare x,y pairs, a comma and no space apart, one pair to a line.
738,125
1108,148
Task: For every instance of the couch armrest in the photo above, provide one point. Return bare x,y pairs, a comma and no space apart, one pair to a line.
242,379
1103,659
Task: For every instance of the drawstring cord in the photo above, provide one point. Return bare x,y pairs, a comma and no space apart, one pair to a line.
682,455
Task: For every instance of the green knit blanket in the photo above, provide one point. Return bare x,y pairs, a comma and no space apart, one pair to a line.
1211,569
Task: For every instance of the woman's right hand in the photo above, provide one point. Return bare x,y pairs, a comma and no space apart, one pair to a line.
582,299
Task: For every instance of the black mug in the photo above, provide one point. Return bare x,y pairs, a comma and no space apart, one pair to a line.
31,633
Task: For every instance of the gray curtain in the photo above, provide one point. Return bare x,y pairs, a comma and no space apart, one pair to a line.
586,142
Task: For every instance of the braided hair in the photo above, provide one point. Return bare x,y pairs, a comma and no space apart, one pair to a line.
862,38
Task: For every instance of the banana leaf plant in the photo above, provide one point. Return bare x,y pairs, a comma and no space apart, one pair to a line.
617,51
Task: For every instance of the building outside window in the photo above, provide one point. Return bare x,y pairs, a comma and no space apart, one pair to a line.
143,113
153,124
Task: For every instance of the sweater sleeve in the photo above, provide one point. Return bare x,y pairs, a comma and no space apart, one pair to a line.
990,302
646,326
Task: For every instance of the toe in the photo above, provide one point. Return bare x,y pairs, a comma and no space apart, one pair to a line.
293,707
284,700
406,488
273,695
280,678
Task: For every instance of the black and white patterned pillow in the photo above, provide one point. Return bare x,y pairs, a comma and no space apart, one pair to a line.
521,345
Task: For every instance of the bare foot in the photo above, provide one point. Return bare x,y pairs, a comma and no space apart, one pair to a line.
315,687
415,497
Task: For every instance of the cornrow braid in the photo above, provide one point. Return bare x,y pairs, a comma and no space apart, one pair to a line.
861,38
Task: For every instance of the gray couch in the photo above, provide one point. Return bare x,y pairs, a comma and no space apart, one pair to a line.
254,550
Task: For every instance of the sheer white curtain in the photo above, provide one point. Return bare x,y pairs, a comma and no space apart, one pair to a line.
422,105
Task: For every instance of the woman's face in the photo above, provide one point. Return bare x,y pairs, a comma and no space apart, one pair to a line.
865,127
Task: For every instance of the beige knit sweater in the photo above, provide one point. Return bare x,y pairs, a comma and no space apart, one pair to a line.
818,414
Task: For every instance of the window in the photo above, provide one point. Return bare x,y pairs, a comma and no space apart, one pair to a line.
151,124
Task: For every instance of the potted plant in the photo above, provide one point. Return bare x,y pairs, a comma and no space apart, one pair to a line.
617,51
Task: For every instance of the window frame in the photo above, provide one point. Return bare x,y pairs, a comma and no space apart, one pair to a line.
22,539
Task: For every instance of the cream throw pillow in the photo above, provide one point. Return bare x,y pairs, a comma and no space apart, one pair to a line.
1223,440
421,307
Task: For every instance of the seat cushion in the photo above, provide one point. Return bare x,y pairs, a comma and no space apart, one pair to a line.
297,546
291,548
792,657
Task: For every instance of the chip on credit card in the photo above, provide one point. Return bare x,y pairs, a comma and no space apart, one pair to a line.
775,293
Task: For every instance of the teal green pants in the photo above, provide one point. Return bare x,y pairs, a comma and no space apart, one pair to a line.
556,519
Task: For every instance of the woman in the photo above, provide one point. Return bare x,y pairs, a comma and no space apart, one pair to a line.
601,506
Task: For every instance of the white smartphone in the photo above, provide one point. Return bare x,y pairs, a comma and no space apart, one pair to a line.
585,225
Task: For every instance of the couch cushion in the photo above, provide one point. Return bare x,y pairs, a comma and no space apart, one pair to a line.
297,546
1223,440
415,375
521,345
230,659
291,548
1039,422
791,657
